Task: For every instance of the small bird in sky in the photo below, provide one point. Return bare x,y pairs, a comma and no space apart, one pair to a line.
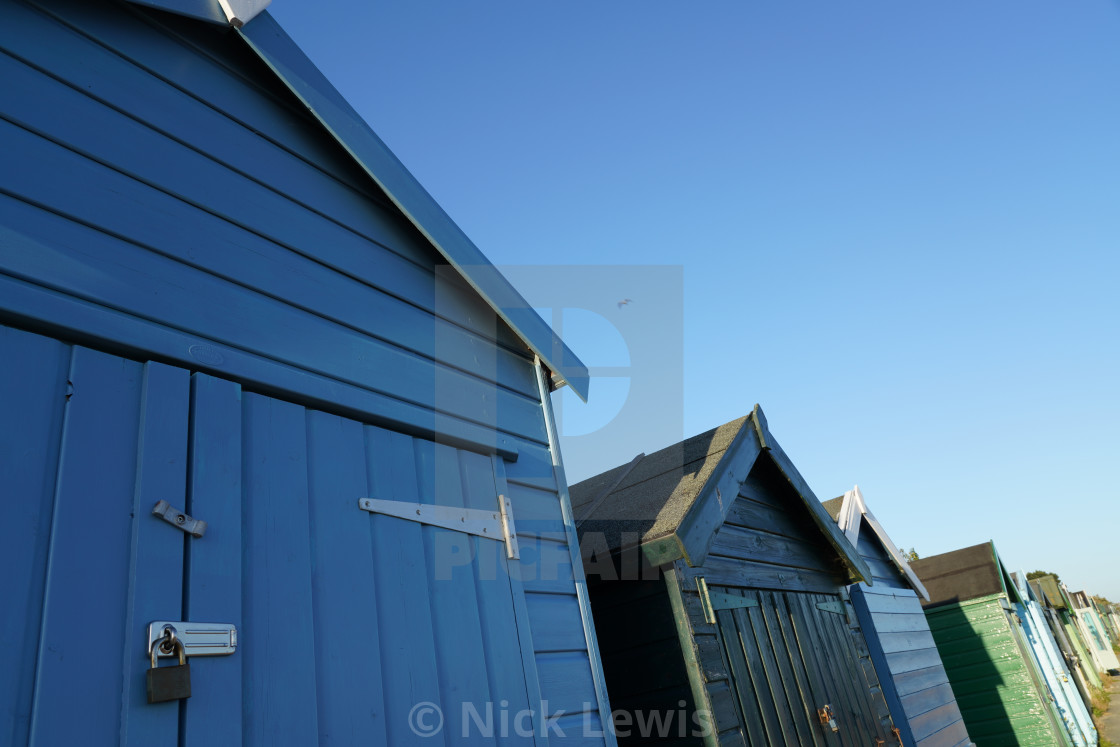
623,302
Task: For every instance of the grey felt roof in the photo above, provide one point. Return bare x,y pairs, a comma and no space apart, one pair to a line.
833,507
656,493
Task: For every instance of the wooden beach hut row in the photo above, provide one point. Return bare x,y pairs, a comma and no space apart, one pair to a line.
1011,684
1093,631
1052,665
721,586
1055,605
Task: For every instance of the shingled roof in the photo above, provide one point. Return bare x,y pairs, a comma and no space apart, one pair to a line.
671,502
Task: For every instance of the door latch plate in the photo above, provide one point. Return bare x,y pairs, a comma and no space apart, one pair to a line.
199,639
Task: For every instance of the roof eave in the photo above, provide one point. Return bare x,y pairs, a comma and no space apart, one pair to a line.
857,565
235,13
277,50
698,526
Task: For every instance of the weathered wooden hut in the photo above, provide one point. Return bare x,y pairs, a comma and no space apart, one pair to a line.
1052,666
906,659
719,588
1059,614
971,612
224,300
1093,632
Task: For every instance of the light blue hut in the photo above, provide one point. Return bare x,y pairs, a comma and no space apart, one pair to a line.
224,301
1052,666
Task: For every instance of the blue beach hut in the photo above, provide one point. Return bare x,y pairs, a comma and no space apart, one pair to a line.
258,390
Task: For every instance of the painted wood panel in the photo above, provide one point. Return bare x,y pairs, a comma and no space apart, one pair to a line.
264,208
994,687
34,398
789,658
902,649
88,566
348,620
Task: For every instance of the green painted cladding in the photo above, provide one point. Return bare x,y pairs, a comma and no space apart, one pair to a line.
994,684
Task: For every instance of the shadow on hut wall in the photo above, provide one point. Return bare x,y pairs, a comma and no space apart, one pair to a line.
971,617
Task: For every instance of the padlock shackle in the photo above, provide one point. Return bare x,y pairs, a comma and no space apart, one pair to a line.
175,643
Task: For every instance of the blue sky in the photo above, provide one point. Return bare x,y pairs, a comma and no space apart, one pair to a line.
892,224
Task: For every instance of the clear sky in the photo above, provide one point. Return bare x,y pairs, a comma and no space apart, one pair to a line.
893,224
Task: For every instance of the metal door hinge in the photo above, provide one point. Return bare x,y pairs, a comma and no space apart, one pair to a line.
712,601
176,518
496,525
198,639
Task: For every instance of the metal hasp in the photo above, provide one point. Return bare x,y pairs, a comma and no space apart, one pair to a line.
826,718
176,518
198,639
496,525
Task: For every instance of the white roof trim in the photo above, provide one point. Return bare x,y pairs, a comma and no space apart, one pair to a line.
852,510
240,12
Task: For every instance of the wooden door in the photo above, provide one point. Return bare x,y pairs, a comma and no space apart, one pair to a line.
790,655
347,620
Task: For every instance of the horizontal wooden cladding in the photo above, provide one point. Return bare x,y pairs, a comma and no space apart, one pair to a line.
953,734
297,259
545,565
202,64
749,544
188,236
230,156
566,682
104,271
907,641
909,682
989,676
537,512
904,662
901,622
751,575
556,622
931,700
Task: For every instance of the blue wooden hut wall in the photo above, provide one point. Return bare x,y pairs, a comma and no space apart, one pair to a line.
219,288
915,684
1051,664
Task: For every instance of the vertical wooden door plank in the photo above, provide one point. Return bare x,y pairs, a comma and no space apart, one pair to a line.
807,667
747,640
743,687
523,628
348,654
87,569
497,616
33,396
213,715
826,666
777,693
156,575
278,641
856,707
794,681
404,616
455,618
